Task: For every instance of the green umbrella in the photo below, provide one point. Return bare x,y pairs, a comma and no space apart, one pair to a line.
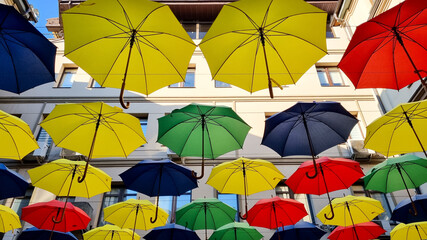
236,231
202,131
205,213
397,173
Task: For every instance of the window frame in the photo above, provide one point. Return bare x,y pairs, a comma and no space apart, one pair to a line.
327,71
92,83
190,69
64,73
197,28
174,204
280,193
120,198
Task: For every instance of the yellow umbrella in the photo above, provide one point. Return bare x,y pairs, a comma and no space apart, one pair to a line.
110,232
137,45
401,130
9,220
135,214
60,177
350,210
411,231
16,138
244,176
94,129
254,43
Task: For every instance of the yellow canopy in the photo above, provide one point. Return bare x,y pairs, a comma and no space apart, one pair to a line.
123,214
16,138
110,232
9,220
351,210
411,231
392,134
253,38
56,178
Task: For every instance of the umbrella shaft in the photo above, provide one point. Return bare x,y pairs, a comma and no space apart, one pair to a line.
351,217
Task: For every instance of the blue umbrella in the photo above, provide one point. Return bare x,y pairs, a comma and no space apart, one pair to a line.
308,129
27,58
402,213
39,234
171,232
300,231
159,178
12,184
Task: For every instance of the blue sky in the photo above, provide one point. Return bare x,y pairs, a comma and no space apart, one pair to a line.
47,9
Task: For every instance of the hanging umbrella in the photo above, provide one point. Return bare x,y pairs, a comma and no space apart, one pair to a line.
40,234
94,129
300,231
401,130
61,177
410,231
12,184
361,231
135,214
275,212
245,177
137,45
335,174
110,232
17,140
236,231
28,58
400,212
205,213
398,173
389,50
9,220
171,232
308,129
202,131
257,44
159,178
41,215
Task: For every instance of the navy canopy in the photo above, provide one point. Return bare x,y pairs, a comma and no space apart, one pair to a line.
12,184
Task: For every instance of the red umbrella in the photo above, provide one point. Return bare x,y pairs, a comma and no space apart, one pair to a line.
41,215
361,231
389,51
335,174
275,212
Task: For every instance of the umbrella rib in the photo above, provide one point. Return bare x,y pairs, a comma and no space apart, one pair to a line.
253,68
409,177
13,63
179,123
279,21
243,12
295,36
235,171
117,137
113,22
126,15
241,146
69,133
327,167
343,137
143,64
412,40
287,215
115,60
287,135
148,15
391,137
264,20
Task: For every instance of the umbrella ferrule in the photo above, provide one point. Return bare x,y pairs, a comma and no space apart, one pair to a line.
132,37
261,35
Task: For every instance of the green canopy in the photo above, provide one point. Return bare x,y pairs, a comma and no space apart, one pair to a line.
236,231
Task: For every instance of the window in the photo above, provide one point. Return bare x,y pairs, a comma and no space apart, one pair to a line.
356,133
143,122
329,33
189,79
191,29
232,200
284,191
219,84
94,84
20,202
117,194
330,77
173,203
66,80
43,139
197,30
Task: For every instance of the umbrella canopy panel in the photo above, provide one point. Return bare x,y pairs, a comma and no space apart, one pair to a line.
12,184
401,212
9,220
412,231
364,231
41,234
300,231
110,232
236,231
171,232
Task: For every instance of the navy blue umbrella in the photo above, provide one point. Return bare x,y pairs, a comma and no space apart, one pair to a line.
39,234
12,184
159,178
300,231
402,213
171,232
27,58
308,129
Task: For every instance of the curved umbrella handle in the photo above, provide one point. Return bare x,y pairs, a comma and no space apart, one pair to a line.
332,211
194,174
62,217
315,171
246,210
122,101
82,178
157,211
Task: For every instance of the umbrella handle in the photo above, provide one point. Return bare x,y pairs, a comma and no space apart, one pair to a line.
82,178
60,220
157,211
315,172
413,212
332,211
246,210
122,101
194,174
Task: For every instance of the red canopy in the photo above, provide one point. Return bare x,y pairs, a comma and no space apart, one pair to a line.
365,231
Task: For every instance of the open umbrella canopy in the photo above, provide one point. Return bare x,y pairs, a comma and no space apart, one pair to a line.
41,234
27,57
351,210
110,232
137,45
12,184
412,231
401,212
171,232
236,231
258,44
43,214
401,130
9,220
389,51
300,231
364,231
16,137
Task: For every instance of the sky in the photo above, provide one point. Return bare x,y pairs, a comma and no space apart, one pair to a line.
47,9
